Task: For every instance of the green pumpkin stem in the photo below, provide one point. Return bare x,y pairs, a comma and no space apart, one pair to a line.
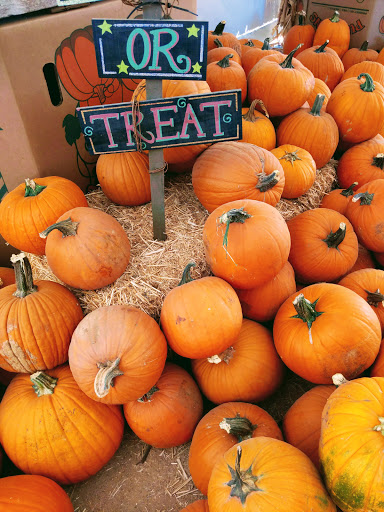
243,482
287,63
239,426
186,277
378,161
380,427
148,396
67,227
335,18
375,298
368,85
32,189
317,104
235,215
249,43
218,43
306,311
104,377
364,197
364,47
267,181
224,62
23,275
347,192
334,239
219,29
321,49
290,157
43,384
266,44
301,15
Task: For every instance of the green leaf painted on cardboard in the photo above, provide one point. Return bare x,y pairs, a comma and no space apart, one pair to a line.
72,128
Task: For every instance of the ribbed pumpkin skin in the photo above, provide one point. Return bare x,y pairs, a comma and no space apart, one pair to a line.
258,130
124,177
368,280
367,219
96,256
123,332
66,436
335,200
169,416
34,493
350,449
197,506
227,78
7,276
261,303
220,52
298,34
325,65
23,218
230,171
374,69
345,338
302,421
36,330
311,256
337,33
256,250
249,371
210,441
226,38
362,163
286,477
356,55
252,57
320,88
204,331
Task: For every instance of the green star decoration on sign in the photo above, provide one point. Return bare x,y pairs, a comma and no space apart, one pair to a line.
123,67
193,31
196,68
105,27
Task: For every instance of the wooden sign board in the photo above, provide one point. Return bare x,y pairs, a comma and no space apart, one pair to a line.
154,49
163,123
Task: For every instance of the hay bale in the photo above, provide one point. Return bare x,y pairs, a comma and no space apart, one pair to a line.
155,266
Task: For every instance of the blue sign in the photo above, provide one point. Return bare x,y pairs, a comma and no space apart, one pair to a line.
162,123
157,49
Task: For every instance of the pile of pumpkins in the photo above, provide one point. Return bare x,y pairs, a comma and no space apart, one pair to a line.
305,294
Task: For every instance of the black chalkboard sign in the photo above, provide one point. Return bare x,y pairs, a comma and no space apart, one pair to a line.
163,123
154,49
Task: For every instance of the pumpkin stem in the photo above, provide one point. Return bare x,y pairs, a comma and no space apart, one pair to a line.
225,356
32,188
317,104
349,191
375,298
334,239
338,379
219,29
306,311
249,43
147,397
43,384
380,428
218,43
224,62
378,160
368,85
250,114
364,47
186,277
67,228
239,426
321,49
234,215
104,378
287,63
243,482
266,44
335,18
290,157
267,181
365,198
301,15
23,275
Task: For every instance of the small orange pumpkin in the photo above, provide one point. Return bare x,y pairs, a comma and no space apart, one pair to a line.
356,55
257,127
320,88
252,57
220,52
226,75
338,199
336,31
226,38
374,69
299,34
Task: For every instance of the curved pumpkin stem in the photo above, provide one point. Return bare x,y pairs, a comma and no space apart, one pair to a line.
147,397
321,49
234,215
218,43
23,275
287,63
219,29
267,181
347,192
317,104
186,277
224,62
243,482
43,384
306,311
375,298
32,188
104,378
333,240
250,115
368,85
239,426
68,227
364,197
378,160
335,18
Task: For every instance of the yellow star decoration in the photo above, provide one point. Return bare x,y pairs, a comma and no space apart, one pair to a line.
105,27
193,31
196,68
123,68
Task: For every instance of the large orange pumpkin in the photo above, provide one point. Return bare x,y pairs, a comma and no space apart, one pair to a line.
266,474
66,435
87,248
220,429
246,242
257,127
37,321
336,31
326,329
205,330
33,493
356,55
33,206
117,354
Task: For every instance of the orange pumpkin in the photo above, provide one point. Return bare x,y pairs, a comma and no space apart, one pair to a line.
7,276
299,170
364,260
226,75
229,171
326,329
320,88
252,57
32,207
117,354
257,127
380,58
299,34
356,55
220,429
168,413
338,199
246,242
377,369
220,52
374,69
248,44
336,31
226,38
